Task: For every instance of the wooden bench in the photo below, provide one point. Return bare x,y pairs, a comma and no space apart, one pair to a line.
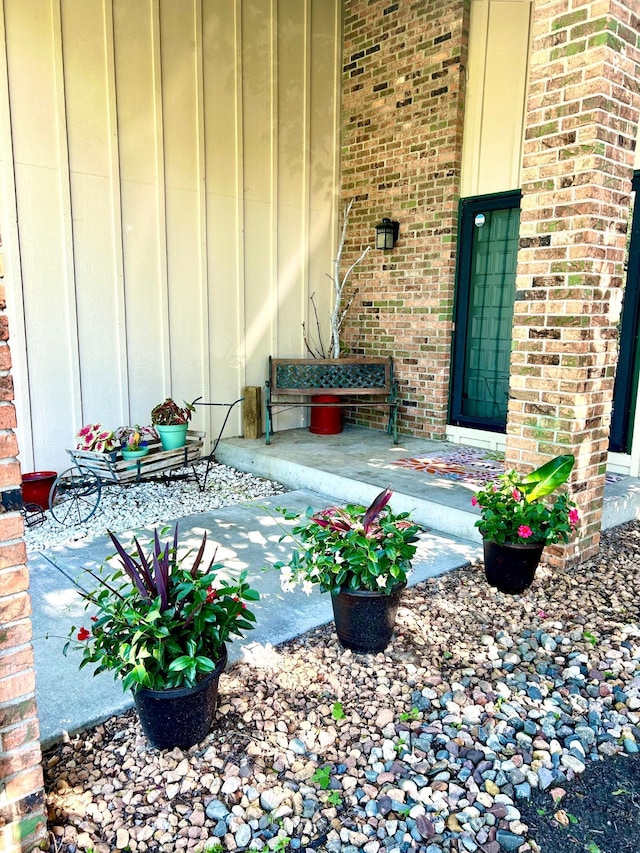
360,381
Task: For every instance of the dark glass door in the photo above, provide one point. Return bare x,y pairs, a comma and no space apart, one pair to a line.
487,257
626,384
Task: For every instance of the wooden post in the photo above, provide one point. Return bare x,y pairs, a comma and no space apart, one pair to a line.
252,412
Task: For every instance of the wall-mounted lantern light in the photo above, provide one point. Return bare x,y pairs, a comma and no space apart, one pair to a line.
387,234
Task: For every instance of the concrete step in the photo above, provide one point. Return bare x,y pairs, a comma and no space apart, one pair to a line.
353,467
356,464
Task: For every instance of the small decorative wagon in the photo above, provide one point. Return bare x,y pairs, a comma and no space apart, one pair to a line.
75,494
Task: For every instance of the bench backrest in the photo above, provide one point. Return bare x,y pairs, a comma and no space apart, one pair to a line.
330,376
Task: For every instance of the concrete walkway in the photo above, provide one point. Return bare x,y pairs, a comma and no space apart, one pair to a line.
353,466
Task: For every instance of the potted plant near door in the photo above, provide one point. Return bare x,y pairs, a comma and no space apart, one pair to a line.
160,623
361,556
171,422
516,523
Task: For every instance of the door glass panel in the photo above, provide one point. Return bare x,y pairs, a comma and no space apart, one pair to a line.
626,383
485,385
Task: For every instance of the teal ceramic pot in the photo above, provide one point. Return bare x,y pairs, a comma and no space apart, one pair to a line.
135,454
172,436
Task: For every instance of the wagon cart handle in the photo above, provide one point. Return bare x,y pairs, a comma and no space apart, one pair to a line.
211,456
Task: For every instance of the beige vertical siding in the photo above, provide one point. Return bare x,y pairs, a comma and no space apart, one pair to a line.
496,90
174,170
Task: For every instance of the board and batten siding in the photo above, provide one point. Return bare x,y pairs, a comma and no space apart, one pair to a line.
168,181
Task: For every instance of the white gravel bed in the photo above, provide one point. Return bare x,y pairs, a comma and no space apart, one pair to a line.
147,503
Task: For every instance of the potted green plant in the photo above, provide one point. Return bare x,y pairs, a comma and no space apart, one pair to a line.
160,623
172,422
361,556
516,523
134,440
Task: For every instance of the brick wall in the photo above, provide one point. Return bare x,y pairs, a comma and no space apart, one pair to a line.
22,822
582,116
403,98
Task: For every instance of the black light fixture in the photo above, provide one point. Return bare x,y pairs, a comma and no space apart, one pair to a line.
387,233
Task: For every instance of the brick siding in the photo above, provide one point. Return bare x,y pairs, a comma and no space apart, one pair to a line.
403,99
582,116
22,819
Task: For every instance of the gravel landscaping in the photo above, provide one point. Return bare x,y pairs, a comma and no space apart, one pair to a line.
485,708
143,504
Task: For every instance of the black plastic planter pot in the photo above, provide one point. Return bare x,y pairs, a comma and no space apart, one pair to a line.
510,567
180,716
365,620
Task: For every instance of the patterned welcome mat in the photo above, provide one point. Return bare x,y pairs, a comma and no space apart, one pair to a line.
467,465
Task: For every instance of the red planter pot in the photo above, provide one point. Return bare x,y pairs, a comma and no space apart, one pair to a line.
326,420
37,486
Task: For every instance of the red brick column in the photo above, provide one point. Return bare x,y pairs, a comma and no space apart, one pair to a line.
403,100
582,118
22,820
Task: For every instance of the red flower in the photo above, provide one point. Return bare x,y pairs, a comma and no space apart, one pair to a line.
524,531
212,594
94,618
83,634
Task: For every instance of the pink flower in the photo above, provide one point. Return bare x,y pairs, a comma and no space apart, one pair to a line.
474,501
524,531
574,517
515,494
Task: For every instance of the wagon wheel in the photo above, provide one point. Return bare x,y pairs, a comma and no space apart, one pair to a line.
74,496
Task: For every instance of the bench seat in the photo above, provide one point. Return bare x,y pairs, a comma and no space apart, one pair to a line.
361,382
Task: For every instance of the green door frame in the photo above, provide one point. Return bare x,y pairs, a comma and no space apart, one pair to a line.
467,211
626,384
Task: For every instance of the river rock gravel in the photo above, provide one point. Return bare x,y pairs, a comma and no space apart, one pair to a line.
434,745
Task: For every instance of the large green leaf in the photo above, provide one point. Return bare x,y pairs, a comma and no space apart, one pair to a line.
548,477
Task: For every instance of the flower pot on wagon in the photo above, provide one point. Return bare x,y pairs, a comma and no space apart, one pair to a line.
171,422
172,436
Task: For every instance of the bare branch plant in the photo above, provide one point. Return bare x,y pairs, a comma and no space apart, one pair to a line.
340,309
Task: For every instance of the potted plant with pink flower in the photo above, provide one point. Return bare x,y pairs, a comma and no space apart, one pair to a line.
517,522
361,556
95,437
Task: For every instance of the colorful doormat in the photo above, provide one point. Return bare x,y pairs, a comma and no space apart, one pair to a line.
467,465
